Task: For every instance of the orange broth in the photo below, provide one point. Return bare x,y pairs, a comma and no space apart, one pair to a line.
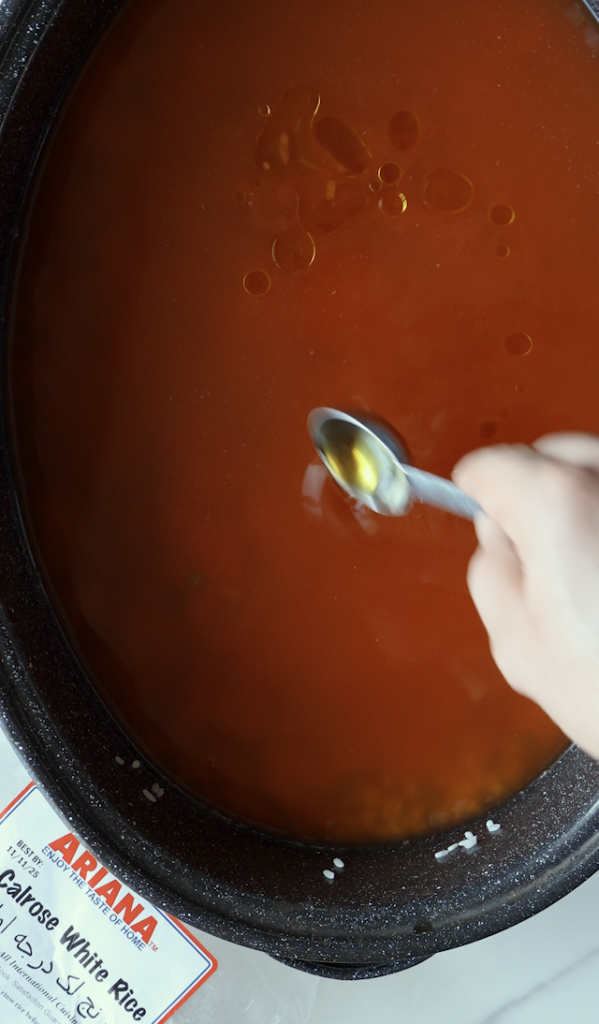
249,210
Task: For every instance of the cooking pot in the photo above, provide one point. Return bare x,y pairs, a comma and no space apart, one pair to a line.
391,905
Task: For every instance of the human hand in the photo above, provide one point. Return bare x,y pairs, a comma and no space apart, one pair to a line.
535,576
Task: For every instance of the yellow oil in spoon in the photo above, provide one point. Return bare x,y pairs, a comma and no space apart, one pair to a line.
361,464
350,457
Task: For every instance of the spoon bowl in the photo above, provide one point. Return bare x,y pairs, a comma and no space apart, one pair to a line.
367,459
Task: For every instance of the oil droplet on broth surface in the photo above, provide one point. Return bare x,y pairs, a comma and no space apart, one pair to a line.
518,344
256,282
239,197
501,214
288,151
502,251
448,191
488,429
389,172
264,110
286,145
343,143
375,186
393,204
294,249
404,130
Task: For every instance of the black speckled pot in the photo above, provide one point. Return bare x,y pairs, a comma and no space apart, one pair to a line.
391,906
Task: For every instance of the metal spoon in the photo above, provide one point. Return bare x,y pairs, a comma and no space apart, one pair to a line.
368,461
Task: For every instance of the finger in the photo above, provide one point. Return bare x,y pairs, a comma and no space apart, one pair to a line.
577,449
491,537
504,480
495,581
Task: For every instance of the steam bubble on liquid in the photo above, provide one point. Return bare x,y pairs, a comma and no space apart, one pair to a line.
389,172
518,344
343,143
393,204
239,197
502,251
403,130
256,282
448,191
501,214
294,250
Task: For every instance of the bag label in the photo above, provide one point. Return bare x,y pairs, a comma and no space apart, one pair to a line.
76,945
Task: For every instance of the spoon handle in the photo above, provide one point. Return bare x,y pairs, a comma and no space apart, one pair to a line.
442,493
